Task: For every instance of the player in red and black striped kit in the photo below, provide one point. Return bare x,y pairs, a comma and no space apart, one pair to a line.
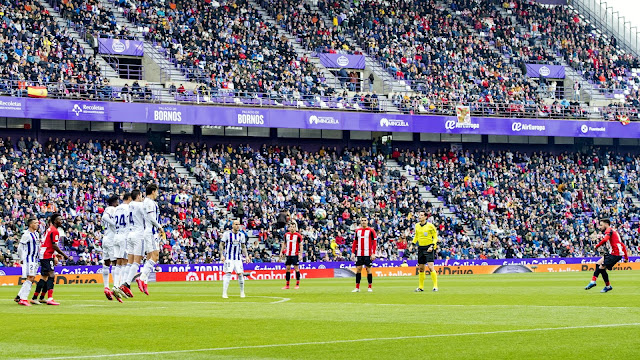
617,250
291,247
364,249
48,248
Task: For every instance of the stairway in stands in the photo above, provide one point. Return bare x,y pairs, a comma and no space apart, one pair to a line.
106,70
427,196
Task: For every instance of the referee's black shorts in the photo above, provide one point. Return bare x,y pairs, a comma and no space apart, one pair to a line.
426,254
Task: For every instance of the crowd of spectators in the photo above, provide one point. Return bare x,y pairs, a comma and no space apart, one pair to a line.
75,177
269,186
91,18
228,47
530,205
507,204
538,33
35,49
436,52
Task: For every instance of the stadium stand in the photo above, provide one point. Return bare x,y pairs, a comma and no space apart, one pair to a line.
529,205
74,178
36,50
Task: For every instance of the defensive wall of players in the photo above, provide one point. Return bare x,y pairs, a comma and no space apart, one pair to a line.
89,274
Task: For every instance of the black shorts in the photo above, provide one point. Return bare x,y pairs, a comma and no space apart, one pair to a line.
292,260
363,260
611,260
426,254
46,266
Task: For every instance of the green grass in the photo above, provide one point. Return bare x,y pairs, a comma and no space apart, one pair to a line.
190,316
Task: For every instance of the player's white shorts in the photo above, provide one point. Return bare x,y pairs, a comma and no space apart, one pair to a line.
233,265
120,246
108,249
29,268
134,244
151,243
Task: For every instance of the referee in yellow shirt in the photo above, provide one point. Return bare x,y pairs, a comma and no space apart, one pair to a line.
426,236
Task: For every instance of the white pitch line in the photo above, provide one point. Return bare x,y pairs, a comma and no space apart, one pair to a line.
338,341
283,299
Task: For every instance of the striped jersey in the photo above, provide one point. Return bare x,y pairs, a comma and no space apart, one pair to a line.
292,244
151,210
365,242
51,237
30,247
615,245
233,245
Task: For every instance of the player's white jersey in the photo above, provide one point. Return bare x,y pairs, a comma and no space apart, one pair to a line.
122,219
30,247
109,222
233,245
137,217
152,214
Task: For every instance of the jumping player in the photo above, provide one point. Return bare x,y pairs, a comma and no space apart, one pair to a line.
152,233
47,250
291,249
232,247
426,236
364,248
120,247
616,251
108,246
135,239
28,250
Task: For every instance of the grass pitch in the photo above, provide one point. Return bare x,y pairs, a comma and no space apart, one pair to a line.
510,316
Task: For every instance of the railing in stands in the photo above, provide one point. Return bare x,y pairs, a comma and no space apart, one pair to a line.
416,104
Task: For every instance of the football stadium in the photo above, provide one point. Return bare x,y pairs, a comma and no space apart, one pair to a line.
319,179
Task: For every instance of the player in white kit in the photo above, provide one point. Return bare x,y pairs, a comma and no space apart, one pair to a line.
232,246
108,244
153,231
135,239
120,246
29,251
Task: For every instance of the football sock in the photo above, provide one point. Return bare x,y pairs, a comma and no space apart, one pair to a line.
116,275
147,269
421,277
105,275
287,276
125,274
39,288
370,279
44,290
596,273
133,271
605,276
434,278
358,277
25,290
297,277
226,278
50,283
241,282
